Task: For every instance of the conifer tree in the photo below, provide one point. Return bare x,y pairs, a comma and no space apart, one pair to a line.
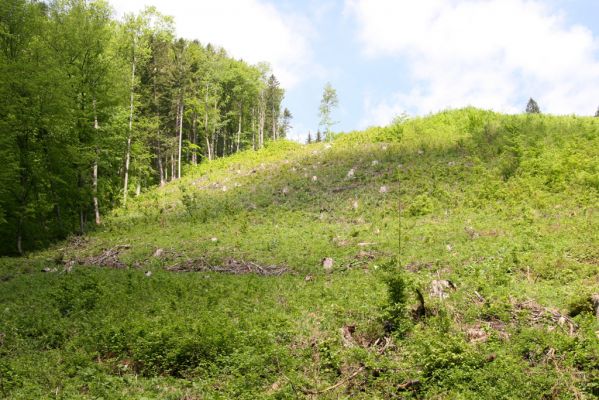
532,107
318,136
309,138
597,112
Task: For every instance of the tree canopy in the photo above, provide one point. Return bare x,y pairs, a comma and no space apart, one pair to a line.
532,107
93,109
327,103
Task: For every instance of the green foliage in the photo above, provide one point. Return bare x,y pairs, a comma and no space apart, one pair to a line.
500,205
81,92
327,103
396,313
532,107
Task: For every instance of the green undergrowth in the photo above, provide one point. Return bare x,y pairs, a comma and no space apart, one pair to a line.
503,207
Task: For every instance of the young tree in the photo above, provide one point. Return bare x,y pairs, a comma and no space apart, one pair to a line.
328,102
532,107
597,112
274,96
318,136
309,141
285,124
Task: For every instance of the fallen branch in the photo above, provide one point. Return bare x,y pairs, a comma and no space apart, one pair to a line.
335,386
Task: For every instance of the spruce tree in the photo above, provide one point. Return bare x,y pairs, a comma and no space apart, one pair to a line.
597,112
532,107
309,138
318,136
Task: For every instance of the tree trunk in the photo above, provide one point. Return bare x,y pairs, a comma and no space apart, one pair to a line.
158,141
20,236
274,124
81,221
194,139
208,148
95,171
253,128
261,120
180,138
173,176
128,155
239,126
160,168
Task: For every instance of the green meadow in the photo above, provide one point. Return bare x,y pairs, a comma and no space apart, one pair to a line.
453,256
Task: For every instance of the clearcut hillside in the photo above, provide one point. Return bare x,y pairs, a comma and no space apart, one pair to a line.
449,256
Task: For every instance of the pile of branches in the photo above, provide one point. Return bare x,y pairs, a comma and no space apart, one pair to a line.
545,316
108,258
229,266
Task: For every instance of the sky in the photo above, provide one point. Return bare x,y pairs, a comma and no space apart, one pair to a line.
389,57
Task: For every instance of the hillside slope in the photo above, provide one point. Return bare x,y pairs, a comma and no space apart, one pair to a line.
498,231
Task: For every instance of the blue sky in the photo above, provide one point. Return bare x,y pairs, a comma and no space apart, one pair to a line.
385,57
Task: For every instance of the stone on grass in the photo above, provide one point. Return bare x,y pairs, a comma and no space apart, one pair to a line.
158,253
383,189
327,264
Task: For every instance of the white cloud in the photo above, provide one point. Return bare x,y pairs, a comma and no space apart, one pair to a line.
486,53
250,29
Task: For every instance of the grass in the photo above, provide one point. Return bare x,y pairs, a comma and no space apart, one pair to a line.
504,207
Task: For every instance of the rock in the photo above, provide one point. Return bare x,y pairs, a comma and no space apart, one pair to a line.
449,247
158,253
439,288
285,190
148,273
383,189
48,269
420,152
225,188
375,162
350,173
214,239
384,147
354,204
308,278
327,264
327,146
314,178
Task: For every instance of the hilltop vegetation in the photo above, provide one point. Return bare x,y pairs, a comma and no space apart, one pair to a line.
491,297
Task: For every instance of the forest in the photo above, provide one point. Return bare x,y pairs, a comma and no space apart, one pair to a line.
94,110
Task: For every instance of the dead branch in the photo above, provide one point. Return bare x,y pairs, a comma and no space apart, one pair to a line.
335,386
